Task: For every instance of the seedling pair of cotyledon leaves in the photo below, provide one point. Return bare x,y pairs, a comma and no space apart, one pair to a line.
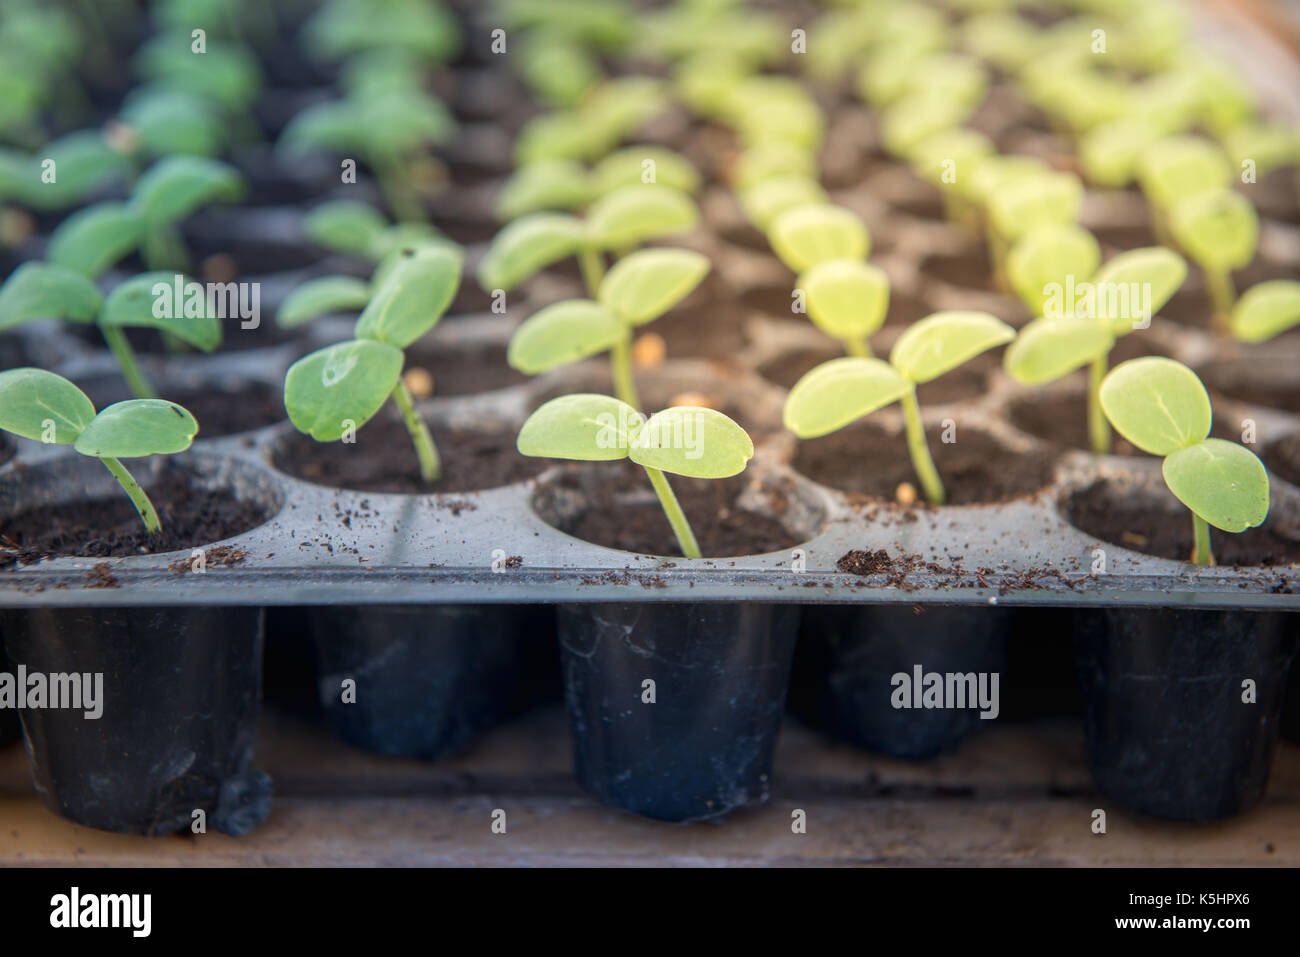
159,300
1162,408
40,405
684,440
1267,309
339,388
358,229
1083,309
550,185
610,113
841,391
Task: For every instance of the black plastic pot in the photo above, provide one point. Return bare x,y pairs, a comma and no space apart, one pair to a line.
1168,731
181,691
704,746
852,654
428,678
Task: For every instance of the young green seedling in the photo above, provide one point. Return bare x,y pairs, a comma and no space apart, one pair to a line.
1018,206
40,405
559,185
618,221
640,288
358,229
159,300
946,159
1220,230
1083,309
607,116
685,440
1161,407
1267,309
841,391
1178,167
339,388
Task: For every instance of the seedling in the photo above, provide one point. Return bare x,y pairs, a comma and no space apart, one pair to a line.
40,405
549,185
684,440
841,391
946,159
773,195
80,162
358,229
1176,168
1267,309
1220,230
618,221
1016,207
639,289
339,388
1162,408
608,115
160,300
342,28
1082,309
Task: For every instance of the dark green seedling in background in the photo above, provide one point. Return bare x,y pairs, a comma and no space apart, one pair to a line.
560,184
841,391
339,388
1220,231
45,291
1161,407
358,229
639,289
684,440
1267,309
40,405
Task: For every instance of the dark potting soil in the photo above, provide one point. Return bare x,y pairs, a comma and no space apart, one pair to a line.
234,338
710,330
970,270
1099,511
864,459
463,371
190,515
383,459
721,528
7,449
1273,384
1282,458
13,354
966,382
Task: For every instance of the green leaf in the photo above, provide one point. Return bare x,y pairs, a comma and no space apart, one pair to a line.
1040,264
1157,404
29,398
1218,229
527,246
769,160
909,122
94,238
632,214
544,185
643,285
641,165
1047,349
1019,207
176,186
941,342
386,247
151,301
166,122
413,296
950,155
83,162
991,173
688,440
1124,283
561,333
804,236
846,298
138,427
340,387
322,297
767,199
1266,310
837,392
583,426
1222,482
1182,166
345,226
1109,152
43,291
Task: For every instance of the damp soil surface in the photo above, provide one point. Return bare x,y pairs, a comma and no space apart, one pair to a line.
191,516
1282,458
622,512
234,338
1167,533
463,370
1268,382
383,459
868,461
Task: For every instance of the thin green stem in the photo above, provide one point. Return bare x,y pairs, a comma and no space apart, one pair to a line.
1223,294
1160,226
137,494
1201,532
858,347
131,371
997,257
430,466
163,248
620,358
1098,427
673,511
920,451
592,264
400,195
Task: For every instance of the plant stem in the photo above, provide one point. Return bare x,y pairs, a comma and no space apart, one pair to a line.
673,511
402,198
997,256
620,358
920,452
1223,294
1201,553
1160,226
858,347
163,248
138,497
430,467
1098,427
592,264
131,371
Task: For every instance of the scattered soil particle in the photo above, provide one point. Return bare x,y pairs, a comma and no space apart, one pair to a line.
514,561
223,556
191,516
976,469
897,571
101,576
463,371
383,459
1167,533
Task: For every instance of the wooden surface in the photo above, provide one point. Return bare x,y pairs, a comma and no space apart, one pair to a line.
1014,795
